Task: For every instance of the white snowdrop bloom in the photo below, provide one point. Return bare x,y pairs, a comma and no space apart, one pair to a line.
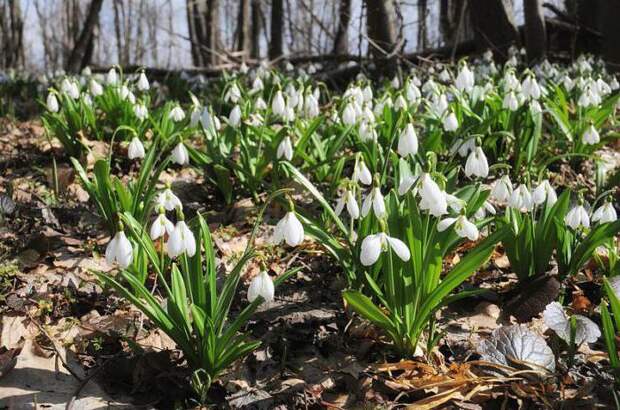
465,79
119,250
168,200
112,77
455,203
348,115
408,142
530,88
521,199
613,84
439,105
143,82
262,286
181,240
285,149
257,85
361,173
233,94
400,103
463,147
444,75
194,117
591,136
375,201
556,319
348,200
367,94
70,88
373,245
395,82
367,132
176,114
161,225
243,68
568,83
311,106
576,217
429,87
260,104
486,207
135,149
462,226
544,192
95,88
278,105
52,103
502,189
510,82
413,93
289,230
367,115
450,123
432,198
234,118
140,111
477,164
406,181
293,95
87,99
180,155
602,87
605,213
535,108
510,102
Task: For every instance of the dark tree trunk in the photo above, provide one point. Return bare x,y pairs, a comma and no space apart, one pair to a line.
256,29
380,25
11,34
203,24
341,41
244,41
422,28
588,14
77,58
535,31
212,42
494,26
610,31
277,24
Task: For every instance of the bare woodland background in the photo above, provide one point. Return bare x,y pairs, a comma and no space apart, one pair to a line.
48,35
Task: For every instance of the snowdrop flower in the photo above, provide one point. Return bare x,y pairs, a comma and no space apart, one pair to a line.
70,88
408,142
233,94
135,149
439,105
361,173
143,82
140,111
285,149
450,123
510,102
544,192
486,207
180,155
234,118
521,199
510,82
535,108
591,136
375,201
367,93
556,319
576,217
112,77
243,68
181,240
463,147
530,88
348,115
455,203
168,200
477,164
462,226
373,245
405,183
432,198
119,250
257,85
95,88
413,93
395,82
605,213
502,189
465,79
311,106
348,199
614,85
161,225
367,132
52,103
176,114
568,83
289,230
444,75
278,105
262,286
260,104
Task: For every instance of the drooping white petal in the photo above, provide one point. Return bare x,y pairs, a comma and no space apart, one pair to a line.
399,248
261,285
371,249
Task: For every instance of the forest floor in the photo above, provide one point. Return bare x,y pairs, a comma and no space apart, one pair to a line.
67,343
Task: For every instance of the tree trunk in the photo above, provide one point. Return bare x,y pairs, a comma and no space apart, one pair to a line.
422,28
611,32
380,26
211,46
11,34
204,34
76,60
277,23
341,41
244,41
494,26
535,31
256,28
